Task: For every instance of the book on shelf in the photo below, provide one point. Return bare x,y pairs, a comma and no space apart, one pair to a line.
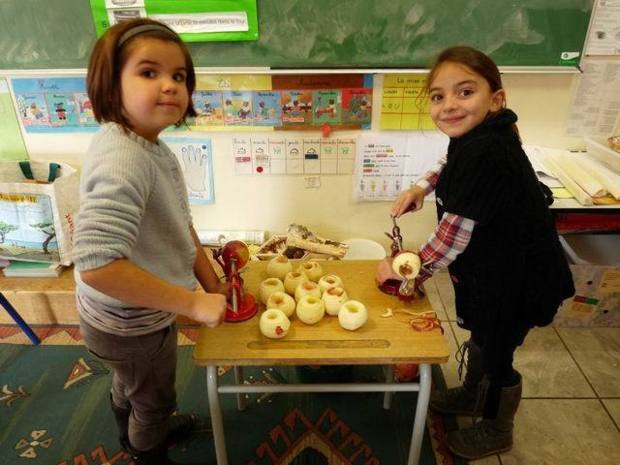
17,269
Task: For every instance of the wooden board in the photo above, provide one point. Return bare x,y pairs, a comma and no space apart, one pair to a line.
379,341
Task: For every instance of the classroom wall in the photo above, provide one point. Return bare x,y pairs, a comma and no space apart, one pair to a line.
271,203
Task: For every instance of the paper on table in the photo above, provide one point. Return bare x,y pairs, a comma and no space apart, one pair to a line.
537,155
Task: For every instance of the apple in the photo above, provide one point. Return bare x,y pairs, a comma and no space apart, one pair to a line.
282,301
274,323
268,287
407,265
333,298
312,269
307,288
294,279
352,315
310,309
329,280
278,267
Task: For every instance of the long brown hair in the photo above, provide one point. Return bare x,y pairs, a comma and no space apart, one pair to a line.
103,79
477,62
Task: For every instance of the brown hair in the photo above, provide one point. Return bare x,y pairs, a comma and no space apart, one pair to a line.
110,55
477,62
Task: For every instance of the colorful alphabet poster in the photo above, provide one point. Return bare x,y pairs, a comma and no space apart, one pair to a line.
53,104
262,102
405,104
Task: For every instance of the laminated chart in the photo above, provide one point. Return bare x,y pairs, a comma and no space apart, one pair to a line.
53,104
386,165
404,104
276,155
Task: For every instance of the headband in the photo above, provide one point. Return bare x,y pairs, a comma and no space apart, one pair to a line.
134,31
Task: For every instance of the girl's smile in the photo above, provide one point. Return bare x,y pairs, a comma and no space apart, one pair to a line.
461,99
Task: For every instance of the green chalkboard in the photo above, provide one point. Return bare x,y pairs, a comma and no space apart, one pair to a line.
52,34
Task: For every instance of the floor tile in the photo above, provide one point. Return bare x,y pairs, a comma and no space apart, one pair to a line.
547,367
613,407
432,294
450,369
446,293
566,432
597,352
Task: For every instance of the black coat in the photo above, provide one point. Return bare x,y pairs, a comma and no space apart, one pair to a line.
513,274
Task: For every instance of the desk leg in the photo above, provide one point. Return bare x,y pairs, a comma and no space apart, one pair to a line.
239,380
387,395
420,414
19,320
216,417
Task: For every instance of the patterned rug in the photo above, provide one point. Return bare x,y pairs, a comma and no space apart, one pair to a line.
55,411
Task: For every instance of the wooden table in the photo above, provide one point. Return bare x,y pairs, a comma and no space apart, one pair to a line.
385,341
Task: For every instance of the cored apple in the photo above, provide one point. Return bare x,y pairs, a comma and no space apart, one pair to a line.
282,301
274,323
310,309
352,315
333,298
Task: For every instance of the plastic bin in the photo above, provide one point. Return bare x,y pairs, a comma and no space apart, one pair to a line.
595,265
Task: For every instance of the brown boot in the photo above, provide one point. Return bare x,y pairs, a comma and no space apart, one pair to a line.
489,436
467,399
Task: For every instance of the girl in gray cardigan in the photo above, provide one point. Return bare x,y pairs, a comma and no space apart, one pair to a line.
137,256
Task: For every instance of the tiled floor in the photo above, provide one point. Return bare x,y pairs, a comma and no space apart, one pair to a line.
570,411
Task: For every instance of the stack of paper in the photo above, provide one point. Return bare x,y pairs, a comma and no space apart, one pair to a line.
33,269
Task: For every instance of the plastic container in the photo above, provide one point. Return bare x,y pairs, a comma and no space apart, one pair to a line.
592,249
363,249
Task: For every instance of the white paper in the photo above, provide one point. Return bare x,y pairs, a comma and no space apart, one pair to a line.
387,164
196,159
604,35
236,21
595,109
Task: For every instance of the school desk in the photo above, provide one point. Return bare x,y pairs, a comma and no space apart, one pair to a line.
381,341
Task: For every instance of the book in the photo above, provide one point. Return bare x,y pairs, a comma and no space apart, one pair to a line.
33,269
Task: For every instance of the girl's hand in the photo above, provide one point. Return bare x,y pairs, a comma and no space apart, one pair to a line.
410,200
385,271
208,309
222,287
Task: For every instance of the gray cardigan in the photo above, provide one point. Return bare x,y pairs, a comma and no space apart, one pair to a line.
134,205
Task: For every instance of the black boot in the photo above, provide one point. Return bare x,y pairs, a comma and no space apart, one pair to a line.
490,435
156,456
180,427
121,416
467,399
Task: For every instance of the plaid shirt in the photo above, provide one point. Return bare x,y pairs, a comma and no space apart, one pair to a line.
451,235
